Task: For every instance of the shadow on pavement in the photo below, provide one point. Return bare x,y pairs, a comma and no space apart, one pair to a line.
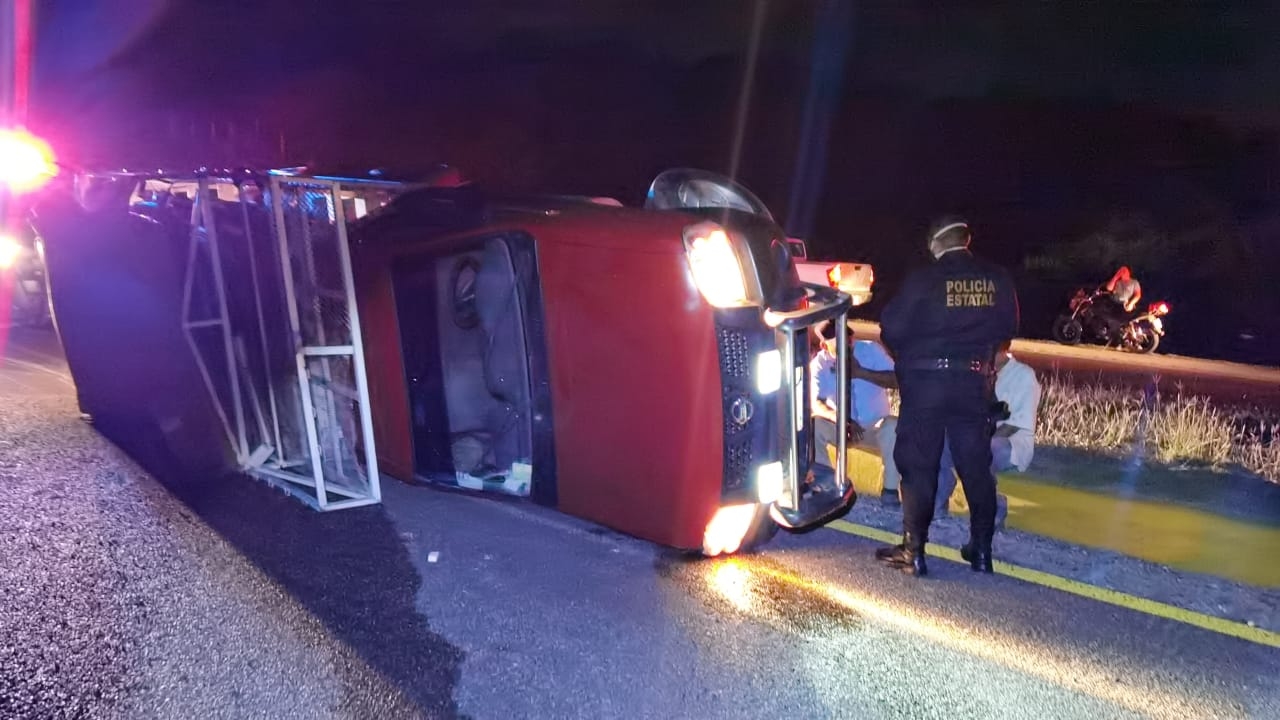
349,569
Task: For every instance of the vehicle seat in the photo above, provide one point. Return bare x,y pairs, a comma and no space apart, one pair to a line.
506,370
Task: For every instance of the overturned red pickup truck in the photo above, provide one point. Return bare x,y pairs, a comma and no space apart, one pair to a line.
643,368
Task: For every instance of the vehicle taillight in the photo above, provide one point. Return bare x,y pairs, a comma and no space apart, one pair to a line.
833,275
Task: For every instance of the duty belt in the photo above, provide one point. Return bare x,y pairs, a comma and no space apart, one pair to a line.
982,367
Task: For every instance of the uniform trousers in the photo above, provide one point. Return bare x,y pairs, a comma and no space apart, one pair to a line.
937,405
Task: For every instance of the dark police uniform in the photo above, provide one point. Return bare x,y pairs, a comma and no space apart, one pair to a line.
943,329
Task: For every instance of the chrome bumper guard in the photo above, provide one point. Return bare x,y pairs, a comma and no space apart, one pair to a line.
831,494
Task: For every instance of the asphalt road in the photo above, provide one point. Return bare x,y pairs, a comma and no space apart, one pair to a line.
125,596
1222,380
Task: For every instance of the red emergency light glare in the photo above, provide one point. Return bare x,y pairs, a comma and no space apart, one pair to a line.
22,53
26,161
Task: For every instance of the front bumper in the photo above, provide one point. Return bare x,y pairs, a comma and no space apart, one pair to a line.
830,495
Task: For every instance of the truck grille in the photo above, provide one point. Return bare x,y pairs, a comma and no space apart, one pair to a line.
740,336
737,465
735,356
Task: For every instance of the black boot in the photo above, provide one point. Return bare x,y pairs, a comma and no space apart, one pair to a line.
978,555
907,556
887,554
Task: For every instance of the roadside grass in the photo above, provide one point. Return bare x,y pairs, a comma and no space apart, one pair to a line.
1261,456
1172,429
1096,417
1189,429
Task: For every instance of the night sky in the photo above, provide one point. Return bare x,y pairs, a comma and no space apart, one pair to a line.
1188,55
1046,122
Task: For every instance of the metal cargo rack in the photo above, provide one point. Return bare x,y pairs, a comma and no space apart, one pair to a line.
269,313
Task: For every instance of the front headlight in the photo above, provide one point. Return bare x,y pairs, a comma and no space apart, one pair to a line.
768,372
716,269
769,481
10,249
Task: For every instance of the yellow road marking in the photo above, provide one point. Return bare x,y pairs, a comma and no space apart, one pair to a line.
1017,502
1190,539
1075,587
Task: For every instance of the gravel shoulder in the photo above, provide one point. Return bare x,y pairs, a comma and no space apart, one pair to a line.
211,597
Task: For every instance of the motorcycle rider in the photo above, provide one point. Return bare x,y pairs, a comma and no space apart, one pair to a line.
1124,292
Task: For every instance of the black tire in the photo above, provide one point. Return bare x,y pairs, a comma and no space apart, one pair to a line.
1152,341
762,531
1068,330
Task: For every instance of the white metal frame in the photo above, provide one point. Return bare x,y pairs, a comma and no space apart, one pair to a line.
324,351
203,229
267,462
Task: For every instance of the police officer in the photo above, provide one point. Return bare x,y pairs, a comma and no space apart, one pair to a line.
943,329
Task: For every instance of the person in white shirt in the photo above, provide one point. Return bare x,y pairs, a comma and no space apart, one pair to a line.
871,424
1014,442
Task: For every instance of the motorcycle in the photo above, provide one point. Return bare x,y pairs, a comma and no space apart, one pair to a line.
1086,322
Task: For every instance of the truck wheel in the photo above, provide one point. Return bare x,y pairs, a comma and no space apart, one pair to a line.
762,531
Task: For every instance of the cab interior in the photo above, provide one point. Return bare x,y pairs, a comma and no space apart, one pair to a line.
464,320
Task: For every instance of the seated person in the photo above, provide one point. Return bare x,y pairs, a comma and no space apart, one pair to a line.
871,425
1014,441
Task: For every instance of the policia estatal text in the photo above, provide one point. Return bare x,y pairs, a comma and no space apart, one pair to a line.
943,329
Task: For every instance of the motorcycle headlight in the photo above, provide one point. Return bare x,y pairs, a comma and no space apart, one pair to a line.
10,249
717,271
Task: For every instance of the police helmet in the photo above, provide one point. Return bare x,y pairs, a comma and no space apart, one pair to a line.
947,233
